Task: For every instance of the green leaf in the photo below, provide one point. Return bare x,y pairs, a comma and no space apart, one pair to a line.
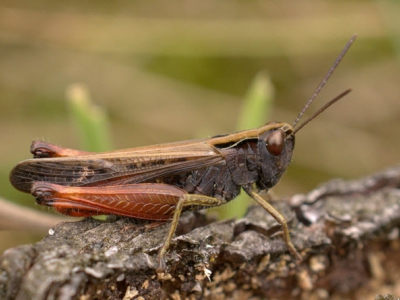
90,120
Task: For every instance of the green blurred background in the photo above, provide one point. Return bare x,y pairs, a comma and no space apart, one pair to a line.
175,70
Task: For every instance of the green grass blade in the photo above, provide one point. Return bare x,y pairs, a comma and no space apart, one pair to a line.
90,120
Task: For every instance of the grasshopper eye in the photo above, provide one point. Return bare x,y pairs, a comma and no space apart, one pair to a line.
275,142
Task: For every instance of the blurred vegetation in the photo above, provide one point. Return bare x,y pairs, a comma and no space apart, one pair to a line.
170,71
90,120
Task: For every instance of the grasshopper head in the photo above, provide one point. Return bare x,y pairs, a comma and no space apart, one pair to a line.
275,147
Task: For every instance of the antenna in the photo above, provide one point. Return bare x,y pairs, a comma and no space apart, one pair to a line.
321,85
319,111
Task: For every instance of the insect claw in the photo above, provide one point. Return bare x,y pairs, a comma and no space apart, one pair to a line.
161,265
296,254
